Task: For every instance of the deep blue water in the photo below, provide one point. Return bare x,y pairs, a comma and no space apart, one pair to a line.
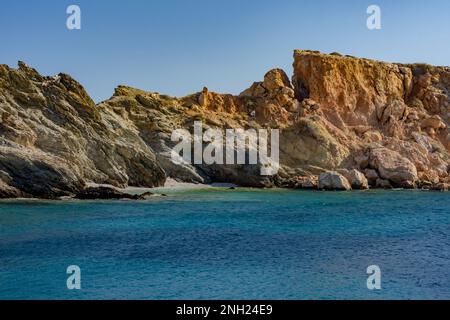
237,244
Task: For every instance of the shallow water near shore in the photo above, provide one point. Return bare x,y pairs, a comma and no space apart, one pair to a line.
229,244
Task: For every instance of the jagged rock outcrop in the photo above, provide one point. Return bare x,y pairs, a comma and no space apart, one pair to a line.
54,139
300,182
356,178
393,167
399,112
333,181
387,121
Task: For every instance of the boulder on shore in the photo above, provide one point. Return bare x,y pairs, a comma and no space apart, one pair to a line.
356,178
400,171
371,176
333,181
301,182
107,193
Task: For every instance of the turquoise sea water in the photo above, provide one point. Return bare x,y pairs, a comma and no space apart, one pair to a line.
229,244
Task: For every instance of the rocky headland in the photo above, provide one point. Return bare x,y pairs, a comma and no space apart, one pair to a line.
345,123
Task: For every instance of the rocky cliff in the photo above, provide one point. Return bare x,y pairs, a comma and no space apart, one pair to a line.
345,122
392,118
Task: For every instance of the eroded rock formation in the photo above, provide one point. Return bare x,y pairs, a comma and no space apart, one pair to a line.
375,123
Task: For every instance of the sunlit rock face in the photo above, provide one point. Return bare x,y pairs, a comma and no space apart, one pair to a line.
394,118
54,139
375,123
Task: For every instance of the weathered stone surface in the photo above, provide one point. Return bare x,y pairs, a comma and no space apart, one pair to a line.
435,122
356,178
391,166
54,139
383,184
34,173
403,108
310,182
6,191
372,176
333,181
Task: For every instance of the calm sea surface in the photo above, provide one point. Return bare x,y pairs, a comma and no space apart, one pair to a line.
229,244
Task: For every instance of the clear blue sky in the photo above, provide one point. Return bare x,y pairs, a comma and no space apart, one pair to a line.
179,46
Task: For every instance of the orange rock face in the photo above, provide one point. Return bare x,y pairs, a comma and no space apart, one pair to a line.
369,122
371,104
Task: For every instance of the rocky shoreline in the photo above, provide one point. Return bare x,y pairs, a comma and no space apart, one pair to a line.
345,123
115,194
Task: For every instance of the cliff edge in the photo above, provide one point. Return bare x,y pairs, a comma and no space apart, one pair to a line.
344,123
